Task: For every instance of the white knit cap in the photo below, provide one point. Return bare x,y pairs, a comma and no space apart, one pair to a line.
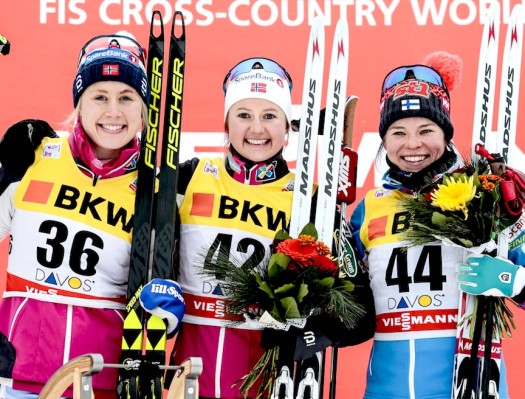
259,84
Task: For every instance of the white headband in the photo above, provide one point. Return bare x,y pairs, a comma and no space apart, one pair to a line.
259,84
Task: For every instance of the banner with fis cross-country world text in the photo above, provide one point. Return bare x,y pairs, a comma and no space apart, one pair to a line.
45,36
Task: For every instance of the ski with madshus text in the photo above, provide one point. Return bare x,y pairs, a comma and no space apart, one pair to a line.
303,379
346,195
477,366
153,240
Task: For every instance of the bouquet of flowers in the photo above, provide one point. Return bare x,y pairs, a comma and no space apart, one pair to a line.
465,208
299,280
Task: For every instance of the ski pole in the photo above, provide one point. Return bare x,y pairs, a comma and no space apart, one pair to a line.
346,193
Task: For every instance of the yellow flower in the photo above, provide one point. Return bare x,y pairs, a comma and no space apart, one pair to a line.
454,194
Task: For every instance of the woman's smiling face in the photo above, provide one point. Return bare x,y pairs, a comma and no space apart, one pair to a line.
414,143
111,115
257,128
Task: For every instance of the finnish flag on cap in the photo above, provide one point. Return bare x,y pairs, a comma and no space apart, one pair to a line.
411,104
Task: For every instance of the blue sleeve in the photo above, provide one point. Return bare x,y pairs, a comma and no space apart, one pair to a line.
356,221
517,256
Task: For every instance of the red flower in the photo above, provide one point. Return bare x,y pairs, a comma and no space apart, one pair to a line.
305,252
326,265
301,250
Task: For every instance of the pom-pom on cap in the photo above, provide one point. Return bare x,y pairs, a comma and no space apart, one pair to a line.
421,90
448,65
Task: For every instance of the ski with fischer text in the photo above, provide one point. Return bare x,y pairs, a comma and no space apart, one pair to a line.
478,355
144,337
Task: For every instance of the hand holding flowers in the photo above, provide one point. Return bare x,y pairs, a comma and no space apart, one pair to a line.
462,207
300,279
465,207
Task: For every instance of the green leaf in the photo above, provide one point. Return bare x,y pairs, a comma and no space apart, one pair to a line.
309,230
291,310
439,218
347,285
278,263
282,235
257,276
303,291
284,289
267,289
276,314
476,181
327,282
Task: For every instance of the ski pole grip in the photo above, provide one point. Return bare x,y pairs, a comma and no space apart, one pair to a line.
351,103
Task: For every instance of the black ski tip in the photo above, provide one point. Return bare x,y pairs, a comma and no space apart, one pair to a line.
156,22
182,27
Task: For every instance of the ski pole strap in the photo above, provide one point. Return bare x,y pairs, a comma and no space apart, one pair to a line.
496,161
513,192
513,182
482,151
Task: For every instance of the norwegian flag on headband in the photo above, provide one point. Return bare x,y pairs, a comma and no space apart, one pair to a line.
258,87
110,70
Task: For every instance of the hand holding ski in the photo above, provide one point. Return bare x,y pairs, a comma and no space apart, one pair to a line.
144,338
478,355
306,377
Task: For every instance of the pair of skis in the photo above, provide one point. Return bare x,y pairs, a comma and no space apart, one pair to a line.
478,356
304,379
152,248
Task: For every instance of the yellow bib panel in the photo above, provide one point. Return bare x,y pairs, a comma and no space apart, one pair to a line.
219,213
70,237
